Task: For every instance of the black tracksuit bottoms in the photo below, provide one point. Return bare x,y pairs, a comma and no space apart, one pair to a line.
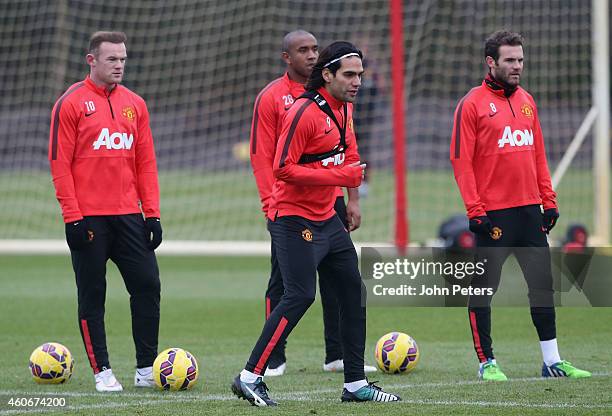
122,239
519,233
301,247
331,309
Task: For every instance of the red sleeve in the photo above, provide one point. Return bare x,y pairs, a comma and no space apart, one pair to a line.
549,197
62,139
463,144
146,165
296,132
263,143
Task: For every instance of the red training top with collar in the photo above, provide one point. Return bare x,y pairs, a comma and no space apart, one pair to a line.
309,190
497,151
101,153
271,106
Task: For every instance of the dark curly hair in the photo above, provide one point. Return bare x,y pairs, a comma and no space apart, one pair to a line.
501,38
330,58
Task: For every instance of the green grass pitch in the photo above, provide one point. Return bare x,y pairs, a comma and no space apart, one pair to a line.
213,307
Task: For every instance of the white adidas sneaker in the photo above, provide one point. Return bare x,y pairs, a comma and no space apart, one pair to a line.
144,377
338,366
106,381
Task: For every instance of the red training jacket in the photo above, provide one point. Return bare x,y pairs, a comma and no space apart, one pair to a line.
309,190
497,151
101,153
271,106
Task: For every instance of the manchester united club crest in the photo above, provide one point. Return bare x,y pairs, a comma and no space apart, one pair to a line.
496,233
307,235
129,113
350,125
527,110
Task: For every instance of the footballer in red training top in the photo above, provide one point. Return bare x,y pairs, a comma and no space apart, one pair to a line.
499,162
315,154
300,51
105,175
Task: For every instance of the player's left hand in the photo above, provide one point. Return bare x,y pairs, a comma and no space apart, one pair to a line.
154,232
353,214
549,219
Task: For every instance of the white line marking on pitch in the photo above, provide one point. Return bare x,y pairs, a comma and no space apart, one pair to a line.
160,398
192,394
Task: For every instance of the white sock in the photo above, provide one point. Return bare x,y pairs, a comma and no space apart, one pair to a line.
494,361
355,385
144,371
550,351
248,377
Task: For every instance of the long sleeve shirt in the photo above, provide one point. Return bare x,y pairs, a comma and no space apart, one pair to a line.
497,151
310,190
101,153
271,107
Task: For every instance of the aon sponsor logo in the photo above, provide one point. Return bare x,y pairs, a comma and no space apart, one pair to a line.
335,160
516,138
113,141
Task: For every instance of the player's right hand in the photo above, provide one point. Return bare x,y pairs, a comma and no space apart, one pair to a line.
77,235
481,225
360,172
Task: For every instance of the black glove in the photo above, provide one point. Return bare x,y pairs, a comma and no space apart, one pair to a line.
154,232
549,219
481,225
77,235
